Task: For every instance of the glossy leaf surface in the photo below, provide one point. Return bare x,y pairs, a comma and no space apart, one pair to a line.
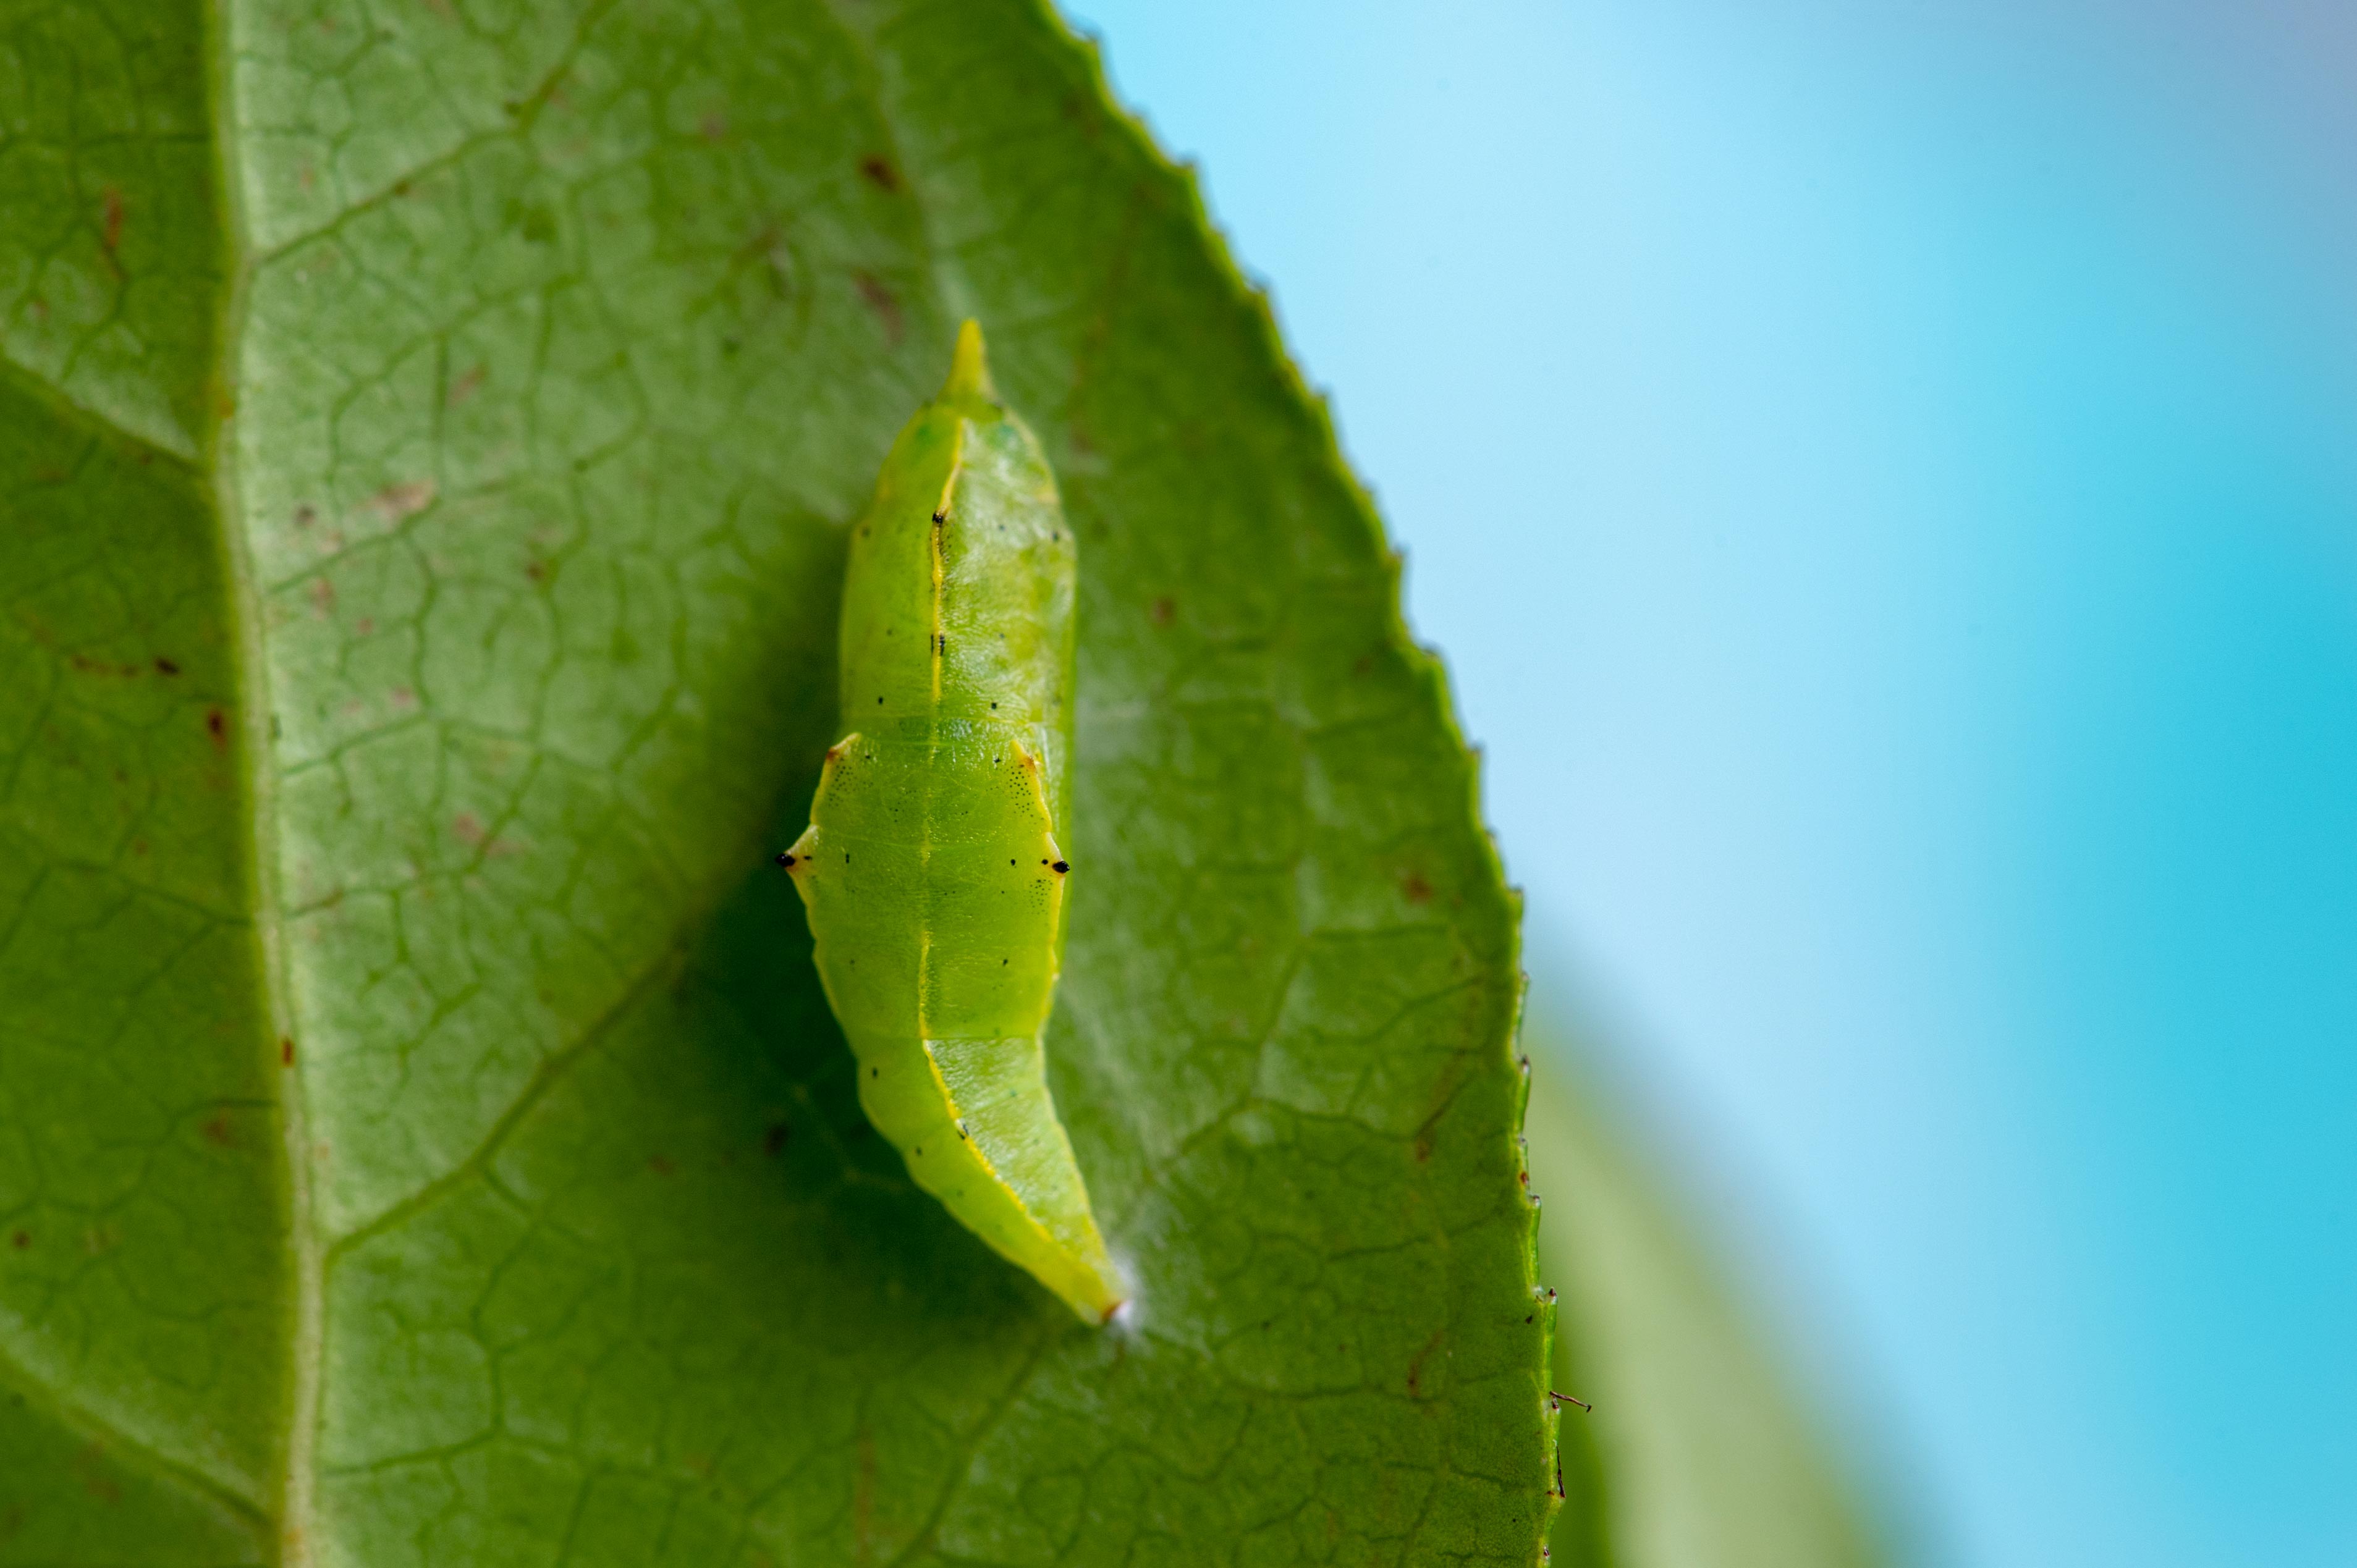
426,437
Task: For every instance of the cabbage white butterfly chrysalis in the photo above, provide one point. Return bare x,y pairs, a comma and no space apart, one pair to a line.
931,871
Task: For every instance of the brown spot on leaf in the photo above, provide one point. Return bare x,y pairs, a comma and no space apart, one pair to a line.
21,1240
774,1142
1415,1368
712,127
285,1050
402,697
1085,111
217,726
1417,889
395,502
305,515
95,1480
466,386
880,173
881,301
661,1164
111,216
465,828
216,1129
165,667
323,597
1161,612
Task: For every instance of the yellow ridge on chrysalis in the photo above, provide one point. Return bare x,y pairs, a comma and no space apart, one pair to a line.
931,871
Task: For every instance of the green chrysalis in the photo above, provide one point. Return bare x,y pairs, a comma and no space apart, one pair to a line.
930,870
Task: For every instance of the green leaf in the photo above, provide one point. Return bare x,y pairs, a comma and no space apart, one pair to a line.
426,436
1698,1453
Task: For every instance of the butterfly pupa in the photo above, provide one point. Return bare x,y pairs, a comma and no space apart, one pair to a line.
933,871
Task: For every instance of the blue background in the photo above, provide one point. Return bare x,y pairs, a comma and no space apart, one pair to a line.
1884,477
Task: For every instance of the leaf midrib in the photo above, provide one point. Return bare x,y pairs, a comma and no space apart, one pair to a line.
305,1306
